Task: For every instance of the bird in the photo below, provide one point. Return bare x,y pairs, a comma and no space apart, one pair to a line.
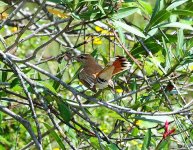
94,77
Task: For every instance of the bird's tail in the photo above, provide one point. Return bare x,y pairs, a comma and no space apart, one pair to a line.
120,64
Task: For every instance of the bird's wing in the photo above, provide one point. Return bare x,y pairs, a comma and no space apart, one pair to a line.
87,79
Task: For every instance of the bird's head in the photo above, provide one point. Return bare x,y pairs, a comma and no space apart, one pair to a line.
85,58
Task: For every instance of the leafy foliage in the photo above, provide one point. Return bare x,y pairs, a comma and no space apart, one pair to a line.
44,105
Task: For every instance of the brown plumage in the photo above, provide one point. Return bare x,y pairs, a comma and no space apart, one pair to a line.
93,76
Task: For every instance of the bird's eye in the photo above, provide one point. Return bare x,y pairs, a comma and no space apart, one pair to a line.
82,57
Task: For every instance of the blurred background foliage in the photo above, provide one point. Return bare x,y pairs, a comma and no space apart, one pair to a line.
155,36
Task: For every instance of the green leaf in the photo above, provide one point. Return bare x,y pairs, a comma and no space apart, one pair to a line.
135,131
64,110
180,44
101,8
48,86
4,76
158,18
2,147
124,12
146,140
94,142
59,75
152,63
2,4
1,118
138,50
14,82
90,14
146,6
155,119
156,8
152,66
176,4
104,59
112,147
75,75
56,137
182,12
121,34
116,116
129,28
5,141
162,145
177,25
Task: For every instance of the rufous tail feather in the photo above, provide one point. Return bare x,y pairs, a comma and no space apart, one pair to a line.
120,64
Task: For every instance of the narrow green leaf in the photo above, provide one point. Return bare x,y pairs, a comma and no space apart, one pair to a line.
55,136
64,110
1,117
48,86
59,75
135,131
121,35
182,12
129,28
94,142
146,6
146,140
162,145
168,54
2,4
54,1
158,18
88,1
75,75
101,8
4,76
116,116
5,141
94,52
138,50
104,59
178,25
112,147
155,119
176,4
14,82
124,12
156,9
180,43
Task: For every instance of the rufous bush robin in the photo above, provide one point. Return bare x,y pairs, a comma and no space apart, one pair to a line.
93,76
